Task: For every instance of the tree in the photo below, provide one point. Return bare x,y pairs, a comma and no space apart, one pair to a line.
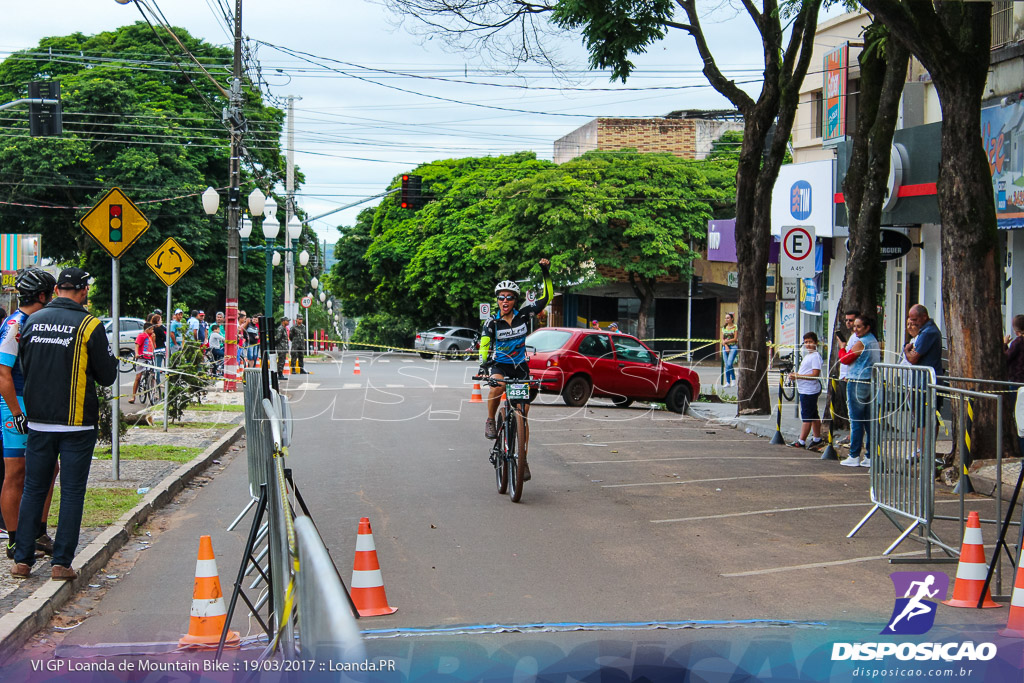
132,122
639,213
883,72
952,41
613,31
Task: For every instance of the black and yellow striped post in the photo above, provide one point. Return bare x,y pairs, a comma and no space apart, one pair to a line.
830,451
964,486
777,439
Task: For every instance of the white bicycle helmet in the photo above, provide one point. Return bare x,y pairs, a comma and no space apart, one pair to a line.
507,286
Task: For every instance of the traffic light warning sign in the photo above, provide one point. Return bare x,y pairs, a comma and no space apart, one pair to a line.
115,223
170,262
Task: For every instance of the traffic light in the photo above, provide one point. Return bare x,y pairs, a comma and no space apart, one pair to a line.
696,285
411,185
116,223
45,119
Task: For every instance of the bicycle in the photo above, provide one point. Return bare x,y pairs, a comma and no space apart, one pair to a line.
149,387
508,455
787,386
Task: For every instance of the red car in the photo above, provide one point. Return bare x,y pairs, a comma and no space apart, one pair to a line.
579,363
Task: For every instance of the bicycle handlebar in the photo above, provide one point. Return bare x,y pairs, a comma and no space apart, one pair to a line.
494,381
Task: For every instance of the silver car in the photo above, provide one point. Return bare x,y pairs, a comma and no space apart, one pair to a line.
453,342
128,329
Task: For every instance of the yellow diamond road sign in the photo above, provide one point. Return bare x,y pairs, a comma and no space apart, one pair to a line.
170,262
115,222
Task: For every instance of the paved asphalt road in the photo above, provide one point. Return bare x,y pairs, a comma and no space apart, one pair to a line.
633,515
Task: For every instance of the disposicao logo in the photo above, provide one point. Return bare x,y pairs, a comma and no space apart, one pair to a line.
917,597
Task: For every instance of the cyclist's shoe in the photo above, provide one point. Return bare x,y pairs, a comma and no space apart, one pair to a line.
490,430
526,471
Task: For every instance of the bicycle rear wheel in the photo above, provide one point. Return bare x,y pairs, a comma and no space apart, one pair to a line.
501,461
517,453
155,392
144,388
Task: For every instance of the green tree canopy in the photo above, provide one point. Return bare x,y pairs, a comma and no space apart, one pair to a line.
492,218
137,119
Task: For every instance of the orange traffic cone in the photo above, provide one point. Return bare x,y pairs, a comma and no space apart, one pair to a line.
367,581
259,362
971,572
208,614
476,396
287,368
356,371
1015,624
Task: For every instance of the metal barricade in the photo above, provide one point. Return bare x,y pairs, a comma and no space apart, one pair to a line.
901,437
279,517
255,446
327,628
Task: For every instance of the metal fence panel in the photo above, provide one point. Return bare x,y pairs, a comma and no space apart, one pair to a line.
327,629
255,440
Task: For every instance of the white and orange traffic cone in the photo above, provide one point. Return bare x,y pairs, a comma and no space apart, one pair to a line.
208,614
971,572
356,371
259,362
287,368
1015,622
367,581
476,396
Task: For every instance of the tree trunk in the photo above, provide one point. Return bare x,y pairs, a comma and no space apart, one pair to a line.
644,289
952,41
882,78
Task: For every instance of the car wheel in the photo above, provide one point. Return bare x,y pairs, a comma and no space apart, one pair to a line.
622,402
453,352
678,398
577,391
426,356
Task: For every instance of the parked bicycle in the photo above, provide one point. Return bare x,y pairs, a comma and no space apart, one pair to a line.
149,387
508,455
787,386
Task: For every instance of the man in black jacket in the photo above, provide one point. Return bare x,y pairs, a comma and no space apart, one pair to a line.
281,339
63,351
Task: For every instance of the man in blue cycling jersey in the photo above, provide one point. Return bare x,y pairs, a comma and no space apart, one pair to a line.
506,332
35,289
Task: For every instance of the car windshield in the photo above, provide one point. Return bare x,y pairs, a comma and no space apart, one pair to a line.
548,340
438,330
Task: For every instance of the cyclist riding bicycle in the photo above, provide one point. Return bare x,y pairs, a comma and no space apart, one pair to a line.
506,332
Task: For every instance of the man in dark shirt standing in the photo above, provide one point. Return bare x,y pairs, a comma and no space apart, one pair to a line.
63,351
298,338
926,347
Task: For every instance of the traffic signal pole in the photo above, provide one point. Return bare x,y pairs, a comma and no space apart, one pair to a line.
234,209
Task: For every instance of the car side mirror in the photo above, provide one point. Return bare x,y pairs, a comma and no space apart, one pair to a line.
531,349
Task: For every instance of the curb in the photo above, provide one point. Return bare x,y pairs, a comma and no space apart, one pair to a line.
763,427
32,613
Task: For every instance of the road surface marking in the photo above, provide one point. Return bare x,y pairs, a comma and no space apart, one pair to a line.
818,565
383,360
687,457
760,512
757,476
308,385
408,361
587,443
351,386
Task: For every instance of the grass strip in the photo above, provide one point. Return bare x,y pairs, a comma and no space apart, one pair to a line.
103,506
190,425
151,452
217,408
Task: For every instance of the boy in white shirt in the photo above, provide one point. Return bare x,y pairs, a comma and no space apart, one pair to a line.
808,386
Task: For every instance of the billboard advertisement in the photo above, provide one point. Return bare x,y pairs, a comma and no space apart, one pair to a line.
804,194
834,94
1003,135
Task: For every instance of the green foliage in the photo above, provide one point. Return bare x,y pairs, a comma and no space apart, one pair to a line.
105,427
141,126
191,384
615,29
492,218
384,329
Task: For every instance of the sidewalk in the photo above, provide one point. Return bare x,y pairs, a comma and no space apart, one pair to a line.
152,482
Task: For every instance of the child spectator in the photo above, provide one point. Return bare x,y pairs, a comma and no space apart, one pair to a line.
808,385
144,354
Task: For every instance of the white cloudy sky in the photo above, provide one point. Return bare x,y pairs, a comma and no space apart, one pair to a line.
353,136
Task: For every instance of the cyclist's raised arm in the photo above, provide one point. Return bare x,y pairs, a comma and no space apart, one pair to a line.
546,294
486,341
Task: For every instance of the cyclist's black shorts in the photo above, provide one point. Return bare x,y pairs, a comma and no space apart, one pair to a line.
510,371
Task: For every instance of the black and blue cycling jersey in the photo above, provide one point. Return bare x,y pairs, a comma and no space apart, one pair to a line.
509,338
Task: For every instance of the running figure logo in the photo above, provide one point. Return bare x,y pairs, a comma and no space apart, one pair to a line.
916,596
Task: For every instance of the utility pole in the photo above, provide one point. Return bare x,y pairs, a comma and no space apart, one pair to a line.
234,114
290,309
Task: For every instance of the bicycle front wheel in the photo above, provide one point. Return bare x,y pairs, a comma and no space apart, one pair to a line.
144,388
788,390
517,452
501,461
